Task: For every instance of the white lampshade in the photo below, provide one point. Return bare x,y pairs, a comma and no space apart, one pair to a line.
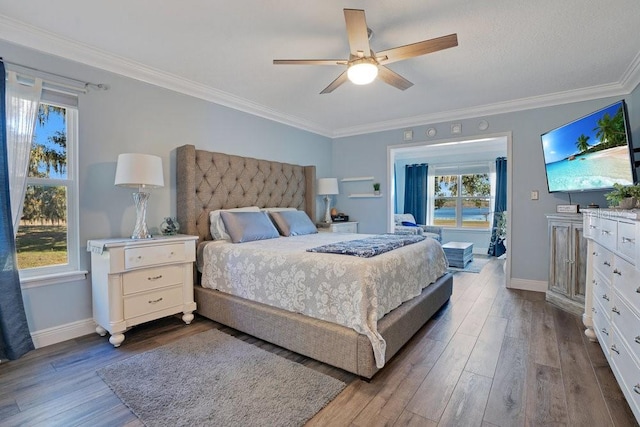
363,72
139,170
328,186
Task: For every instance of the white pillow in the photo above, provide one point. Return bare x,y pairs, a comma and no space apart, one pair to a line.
217,228
278,209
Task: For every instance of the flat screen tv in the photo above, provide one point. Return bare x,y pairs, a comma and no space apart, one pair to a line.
591,153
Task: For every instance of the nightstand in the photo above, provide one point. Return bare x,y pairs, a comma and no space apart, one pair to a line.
339,227
135,281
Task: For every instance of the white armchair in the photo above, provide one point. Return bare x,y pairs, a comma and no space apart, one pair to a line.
432,231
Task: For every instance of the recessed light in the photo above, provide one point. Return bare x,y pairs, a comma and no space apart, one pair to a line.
483,125
431,132
456,128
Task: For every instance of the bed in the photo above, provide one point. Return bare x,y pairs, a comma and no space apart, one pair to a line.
208,181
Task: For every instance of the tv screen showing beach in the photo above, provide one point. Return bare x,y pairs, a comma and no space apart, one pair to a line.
591,153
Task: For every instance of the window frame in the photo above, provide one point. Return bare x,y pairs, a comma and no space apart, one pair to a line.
38,276
459,171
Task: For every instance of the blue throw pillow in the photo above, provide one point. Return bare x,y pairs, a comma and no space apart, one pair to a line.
409,224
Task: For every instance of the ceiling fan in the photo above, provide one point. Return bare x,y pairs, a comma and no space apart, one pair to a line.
364,65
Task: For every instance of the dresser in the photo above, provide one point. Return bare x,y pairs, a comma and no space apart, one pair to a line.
567,262
135,281
339,227
612,314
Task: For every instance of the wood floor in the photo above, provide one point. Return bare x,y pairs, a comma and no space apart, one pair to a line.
490,357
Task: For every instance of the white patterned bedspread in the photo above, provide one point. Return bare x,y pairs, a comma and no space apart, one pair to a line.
347,290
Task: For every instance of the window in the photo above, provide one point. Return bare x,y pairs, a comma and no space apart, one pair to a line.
47,237
461,200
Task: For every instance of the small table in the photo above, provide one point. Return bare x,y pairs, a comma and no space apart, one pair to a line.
459,254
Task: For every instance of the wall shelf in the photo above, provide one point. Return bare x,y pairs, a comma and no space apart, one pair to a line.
358,178
363,195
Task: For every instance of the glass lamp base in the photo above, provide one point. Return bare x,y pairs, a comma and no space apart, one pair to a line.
140,231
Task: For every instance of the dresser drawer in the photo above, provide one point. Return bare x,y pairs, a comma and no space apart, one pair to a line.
627,372
603,261
626,282
154,255
628,325
148,302
601,324
607,235
627,240
603,294
152,278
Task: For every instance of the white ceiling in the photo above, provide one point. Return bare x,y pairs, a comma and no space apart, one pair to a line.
512,54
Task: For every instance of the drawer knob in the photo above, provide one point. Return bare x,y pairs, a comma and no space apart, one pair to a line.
604,331
636,388
605,297
615,310
155,277
628,240
154,301
618,272
607,263
638,290
637,339
614,348
593,309
605,232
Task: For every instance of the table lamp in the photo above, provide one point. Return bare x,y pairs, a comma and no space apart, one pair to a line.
326,188
141,171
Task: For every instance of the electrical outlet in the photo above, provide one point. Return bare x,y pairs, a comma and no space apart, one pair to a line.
534,195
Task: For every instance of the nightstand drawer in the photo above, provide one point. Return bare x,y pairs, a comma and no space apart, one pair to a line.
152,278
153,255
347,227
148,302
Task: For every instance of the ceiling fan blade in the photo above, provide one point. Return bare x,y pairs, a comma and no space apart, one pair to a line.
393,78
357,32
310,62
334,84
416,49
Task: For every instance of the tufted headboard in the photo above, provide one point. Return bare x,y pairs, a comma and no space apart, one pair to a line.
206,181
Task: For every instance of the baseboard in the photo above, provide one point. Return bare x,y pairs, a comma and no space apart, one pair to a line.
45,337
527,285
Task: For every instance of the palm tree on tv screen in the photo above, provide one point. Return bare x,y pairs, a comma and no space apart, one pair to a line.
582,143
610,130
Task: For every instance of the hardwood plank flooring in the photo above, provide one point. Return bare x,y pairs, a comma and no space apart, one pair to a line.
490,357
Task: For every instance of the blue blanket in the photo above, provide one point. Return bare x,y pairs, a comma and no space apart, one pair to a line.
368,247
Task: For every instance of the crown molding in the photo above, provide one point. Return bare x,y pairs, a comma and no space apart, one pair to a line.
35,38
558,98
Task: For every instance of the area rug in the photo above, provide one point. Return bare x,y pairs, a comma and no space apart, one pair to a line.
474,266
214,379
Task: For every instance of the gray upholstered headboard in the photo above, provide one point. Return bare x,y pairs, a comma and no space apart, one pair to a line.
207,181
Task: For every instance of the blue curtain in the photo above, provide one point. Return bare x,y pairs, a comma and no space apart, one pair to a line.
15,339
496,246
415,191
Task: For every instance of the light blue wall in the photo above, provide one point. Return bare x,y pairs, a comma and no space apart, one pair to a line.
137,117
367,155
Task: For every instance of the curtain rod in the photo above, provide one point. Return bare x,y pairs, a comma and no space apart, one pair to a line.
85,85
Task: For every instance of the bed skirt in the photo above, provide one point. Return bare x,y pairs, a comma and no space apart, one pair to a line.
326,342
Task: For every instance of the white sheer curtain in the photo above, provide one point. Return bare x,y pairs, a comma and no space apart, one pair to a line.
22,102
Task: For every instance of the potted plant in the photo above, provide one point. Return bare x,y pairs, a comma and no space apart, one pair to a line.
623,196
376,188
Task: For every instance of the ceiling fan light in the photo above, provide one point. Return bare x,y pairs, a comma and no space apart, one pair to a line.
362,73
